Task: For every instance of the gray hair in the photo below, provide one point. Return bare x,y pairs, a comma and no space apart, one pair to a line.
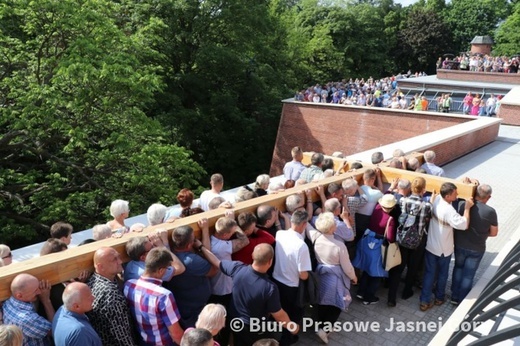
4,250
299,217
244,194
182,236
262,180
429,156
325,222
292,202
377,157
413,163
398,153
349,183
337,154
10,335
484,191
119,207
215,202
135,247
331,205
404,184
196,336
100,232
156,213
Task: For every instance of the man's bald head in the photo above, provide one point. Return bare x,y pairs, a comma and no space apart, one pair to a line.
107,262
263,254
77,297
25,287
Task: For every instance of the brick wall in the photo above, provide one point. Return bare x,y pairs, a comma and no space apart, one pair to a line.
329,128
484,77
510,114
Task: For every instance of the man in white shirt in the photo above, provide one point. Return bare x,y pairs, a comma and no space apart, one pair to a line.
217,183
440,245
292,263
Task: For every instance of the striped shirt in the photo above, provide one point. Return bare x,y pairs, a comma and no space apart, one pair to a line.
34,327
154,309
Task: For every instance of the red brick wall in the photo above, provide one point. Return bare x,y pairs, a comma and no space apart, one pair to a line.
460,146
326,129
510,114
485,77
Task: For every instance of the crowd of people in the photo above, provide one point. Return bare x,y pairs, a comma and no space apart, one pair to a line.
187,291
480,63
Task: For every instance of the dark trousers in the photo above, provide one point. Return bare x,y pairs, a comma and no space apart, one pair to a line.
327,313
223,336
362,222
288,299
411,259
368,286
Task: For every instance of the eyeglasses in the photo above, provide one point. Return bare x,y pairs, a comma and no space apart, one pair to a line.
8,255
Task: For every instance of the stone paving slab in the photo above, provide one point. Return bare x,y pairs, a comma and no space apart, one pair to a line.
496,164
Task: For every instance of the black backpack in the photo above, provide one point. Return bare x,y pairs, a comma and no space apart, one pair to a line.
408,233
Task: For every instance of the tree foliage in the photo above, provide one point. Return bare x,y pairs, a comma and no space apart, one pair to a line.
468,18
73,132
507,35
423,39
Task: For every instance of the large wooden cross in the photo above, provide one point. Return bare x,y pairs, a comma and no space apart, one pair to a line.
63,266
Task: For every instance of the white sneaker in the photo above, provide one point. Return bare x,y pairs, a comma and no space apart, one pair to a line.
323,336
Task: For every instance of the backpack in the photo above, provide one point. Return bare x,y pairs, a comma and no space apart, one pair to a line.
408,233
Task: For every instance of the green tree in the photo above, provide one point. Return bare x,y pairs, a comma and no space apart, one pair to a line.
73,132
224,66
423,39
467,19
507,35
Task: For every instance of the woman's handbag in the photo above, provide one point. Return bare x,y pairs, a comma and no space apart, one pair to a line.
390,251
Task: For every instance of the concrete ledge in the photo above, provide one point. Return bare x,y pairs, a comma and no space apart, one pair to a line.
450,326
488,77
359,131
510,107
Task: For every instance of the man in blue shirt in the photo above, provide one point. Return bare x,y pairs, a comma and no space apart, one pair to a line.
70,325
19,309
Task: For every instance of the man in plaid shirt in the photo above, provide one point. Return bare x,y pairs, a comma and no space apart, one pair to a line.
153,306
19,309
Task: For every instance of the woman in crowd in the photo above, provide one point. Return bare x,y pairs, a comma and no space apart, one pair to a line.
119,210
185,198
335,272
412,259
5,255
261,185
213,318
10,335
380,221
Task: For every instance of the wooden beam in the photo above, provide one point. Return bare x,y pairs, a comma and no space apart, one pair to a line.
68,264
63,266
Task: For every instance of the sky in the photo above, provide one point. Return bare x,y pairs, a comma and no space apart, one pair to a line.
405,3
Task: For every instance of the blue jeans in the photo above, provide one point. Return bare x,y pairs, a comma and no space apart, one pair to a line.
435,269
466,265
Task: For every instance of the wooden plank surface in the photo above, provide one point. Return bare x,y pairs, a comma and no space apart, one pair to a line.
68,264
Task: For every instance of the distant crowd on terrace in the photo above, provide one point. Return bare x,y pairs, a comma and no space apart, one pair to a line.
358,92
384,93
479,63
256,264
